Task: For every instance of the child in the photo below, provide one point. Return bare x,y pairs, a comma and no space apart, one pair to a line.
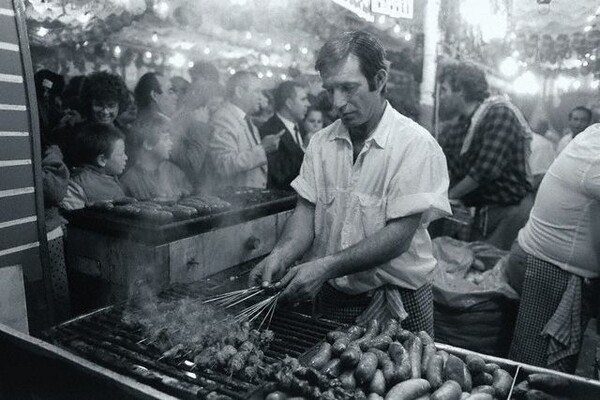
100,150
153,176
313,122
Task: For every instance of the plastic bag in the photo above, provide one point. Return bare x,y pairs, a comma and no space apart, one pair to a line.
468,274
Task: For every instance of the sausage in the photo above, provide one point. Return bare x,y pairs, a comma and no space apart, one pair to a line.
428,352
483,378
425,338
535,394
475,363
401,359
491,367
371,332
380,342
351,356
355,332
548,383
450,390
377,384
390,328
276,396
374,396
408,390
434,371
322,357
402,335
415,352
484,389
340,346
382,357
347,380
365,370
333,336
444,355
480,396
455,369
521,389
502,383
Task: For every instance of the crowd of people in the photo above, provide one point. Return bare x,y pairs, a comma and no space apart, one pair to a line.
369,181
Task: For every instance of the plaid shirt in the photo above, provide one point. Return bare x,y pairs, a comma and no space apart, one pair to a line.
496,158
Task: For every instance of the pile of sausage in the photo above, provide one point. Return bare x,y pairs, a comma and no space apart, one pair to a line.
393,363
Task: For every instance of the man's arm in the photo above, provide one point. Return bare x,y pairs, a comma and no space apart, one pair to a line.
304,281
297,237
462,188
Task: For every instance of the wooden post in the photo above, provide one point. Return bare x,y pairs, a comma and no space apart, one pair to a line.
431,31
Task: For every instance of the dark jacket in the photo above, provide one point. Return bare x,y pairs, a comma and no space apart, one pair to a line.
284,164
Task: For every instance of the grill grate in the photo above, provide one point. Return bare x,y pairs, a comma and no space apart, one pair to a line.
103,337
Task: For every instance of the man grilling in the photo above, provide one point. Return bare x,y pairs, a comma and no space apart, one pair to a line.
369,185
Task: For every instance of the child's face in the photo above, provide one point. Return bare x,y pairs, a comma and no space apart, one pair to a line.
164,146
115,164
313,121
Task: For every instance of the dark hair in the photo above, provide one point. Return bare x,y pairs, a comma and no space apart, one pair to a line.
468,78
104,87
584,109
238,79
71,94
314,108
205,70
149,129
147,84
363,45
284,91
93,139
50,82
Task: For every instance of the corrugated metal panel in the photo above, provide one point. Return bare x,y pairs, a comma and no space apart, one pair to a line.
15,148
19,176
18,235
19,206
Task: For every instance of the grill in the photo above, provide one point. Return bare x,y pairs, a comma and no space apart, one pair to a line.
106,339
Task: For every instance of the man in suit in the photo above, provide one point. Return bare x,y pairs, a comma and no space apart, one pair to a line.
239,155
290,102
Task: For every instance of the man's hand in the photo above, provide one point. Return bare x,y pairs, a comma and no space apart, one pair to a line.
271,142
263,273
303,282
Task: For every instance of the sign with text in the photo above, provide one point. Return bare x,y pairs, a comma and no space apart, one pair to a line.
393,8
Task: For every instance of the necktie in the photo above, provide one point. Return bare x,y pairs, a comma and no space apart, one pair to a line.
298,137
251,127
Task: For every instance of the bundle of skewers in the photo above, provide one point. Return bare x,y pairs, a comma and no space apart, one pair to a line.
247,309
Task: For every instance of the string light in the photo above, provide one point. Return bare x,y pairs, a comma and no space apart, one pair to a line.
304,50
248,35
269,73
155,37
42,31
207,50
587,28
148,54
268,42
287,47
191,64
117,51
407,36
396,29
595,84
283,77
381,19
261,75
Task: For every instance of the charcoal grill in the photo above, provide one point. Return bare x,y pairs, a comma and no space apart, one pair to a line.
104,338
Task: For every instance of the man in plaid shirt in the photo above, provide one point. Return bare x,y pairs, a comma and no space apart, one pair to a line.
487,150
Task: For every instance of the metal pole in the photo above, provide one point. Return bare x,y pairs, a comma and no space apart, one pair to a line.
431,31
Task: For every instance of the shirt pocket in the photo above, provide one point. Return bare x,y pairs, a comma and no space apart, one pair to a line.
324,212
372,213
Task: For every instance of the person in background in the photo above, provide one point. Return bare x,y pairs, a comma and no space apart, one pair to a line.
369,185
290,102
542,153
487,148
312,123
154,95
180,87
192,133
49,87
579,119
203,72
103,97
100,159
153,175
238,154
554,264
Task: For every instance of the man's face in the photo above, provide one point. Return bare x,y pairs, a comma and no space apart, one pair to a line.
115,163
451,102
298,104
578,121
104,111
167,100
250,95
349,92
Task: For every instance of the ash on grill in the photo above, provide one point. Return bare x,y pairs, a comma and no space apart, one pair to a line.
187,349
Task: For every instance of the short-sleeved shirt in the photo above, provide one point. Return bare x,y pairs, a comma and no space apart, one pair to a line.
542,154
400,171
559,229
496,159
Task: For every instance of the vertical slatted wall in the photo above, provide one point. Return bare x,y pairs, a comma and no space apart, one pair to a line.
22,232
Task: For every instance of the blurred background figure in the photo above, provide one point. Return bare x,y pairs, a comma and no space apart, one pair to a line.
49,87
312,123
180,87
579,118
542,152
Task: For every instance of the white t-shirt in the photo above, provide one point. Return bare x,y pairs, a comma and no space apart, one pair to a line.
559,227
542,154
400,171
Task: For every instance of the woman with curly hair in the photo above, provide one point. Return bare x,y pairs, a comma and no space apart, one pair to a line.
103,97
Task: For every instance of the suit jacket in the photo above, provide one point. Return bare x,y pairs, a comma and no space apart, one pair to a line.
236,153
284,164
